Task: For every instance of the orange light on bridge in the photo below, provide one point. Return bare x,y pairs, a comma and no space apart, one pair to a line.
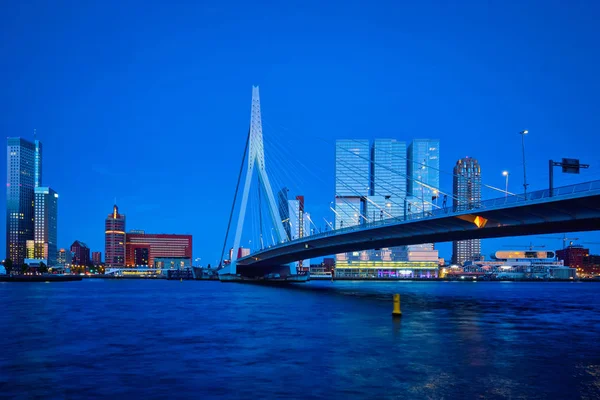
479,221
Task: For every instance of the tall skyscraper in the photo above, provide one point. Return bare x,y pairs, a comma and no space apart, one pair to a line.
37,162
45,232
388,193
423,168
114,239
467,195
24,165
352,181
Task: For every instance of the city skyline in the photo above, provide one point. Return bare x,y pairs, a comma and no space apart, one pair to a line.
96,135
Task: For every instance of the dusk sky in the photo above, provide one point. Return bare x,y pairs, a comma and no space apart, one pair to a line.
149,102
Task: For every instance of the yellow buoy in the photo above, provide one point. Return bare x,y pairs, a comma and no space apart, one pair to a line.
396,311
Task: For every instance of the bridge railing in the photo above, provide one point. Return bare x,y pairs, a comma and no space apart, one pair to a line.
520,199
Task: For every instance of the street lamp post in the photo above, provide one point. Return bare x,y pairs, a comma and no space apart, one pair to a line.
523,133
505,173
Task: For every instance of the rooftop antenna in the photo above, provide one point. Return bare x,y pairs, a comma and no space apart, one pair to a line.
34,134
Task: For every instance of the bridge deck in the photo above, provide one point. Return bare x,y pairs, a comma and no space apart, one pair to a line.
571,208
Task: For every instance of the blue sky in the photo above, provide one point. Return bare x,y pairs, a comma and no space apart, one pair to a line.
149,102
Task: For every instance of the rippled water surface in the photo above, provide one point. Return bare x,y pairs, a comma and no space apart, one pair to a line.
169,339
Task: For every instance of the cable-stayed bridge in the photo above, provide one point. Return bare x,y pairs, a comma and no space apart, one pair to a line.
392,222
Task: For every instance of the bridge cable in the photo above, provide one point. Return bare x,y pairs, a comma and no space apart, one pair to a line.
237,187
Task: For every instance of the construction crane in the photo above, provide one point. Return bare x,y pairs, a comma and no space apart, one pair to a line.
564,239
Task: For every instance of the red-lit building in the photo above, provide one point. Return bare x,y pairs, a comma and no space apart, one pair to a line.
576,256
573,256
81,253
114,239
142,248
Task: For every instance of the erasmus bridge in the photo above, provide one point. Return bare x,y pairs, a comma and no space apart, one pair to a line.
563,209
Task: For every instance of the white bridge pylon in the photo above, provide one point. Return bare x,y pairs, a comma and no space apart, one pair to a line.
256,160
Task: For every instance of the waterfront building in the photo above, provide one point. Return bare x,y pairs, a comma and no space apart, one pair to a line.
64,257
45,221
114,239
361,269
579,257
172,263
389,179
352,181
466,196
143,249
24,171
97,257
423,170
81,253
517,264
372,184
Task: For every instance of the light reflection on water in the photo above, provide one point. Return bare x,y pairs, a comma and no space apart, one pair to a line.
159,339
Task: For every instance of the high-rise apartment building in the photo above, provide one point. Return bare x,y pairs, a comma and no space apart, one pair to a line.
23,170
45,230
142,249
466,196
352,181
114,239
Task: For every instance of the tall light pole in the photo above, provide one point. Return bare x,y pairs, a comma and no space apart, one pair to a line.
523,133
505,173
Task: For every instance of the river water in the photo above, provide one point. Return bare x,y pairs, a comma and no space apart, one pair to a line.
129,339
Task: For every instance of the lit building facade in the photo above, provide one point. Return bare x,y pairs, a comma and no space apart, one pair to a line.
46,226
423,170
466,196
389,179
81,253
114,239
23,170
145,248
64,257
373,183
352,181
